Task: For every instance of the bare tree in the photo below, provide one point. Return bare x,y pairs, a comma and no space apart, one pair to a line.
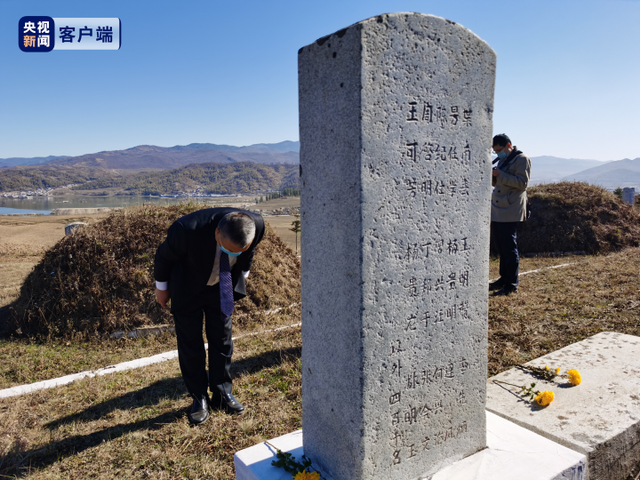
295,228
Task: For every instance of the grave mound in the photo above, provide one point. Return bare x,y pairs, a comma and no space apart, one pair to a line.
577,217
100,279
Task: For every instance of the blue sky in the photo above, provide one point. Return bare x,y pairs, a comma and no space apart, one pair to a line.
226,72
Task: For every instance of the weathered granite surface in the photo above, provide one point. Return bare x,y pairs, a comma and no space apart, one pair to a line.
395,131
600,417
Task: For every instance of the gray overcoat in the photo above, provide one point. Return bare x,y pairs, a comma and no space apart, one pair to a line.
509,198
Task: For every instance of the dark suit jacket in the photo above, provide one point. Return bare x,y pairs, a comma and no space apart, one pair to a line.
185,259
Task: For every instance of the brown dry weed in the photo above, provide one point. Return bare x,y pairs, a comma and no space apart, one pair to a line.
576,216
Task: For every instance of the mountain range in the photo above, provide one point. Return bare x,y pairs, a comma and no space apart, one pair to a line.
162,158
610,175
547,169
623,173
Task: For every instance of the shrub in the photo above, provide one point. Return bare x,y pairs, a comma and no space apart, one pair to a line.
576,216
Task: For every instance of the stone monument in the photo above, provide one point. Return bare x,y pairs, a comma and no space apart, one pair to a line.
395,133
629,195
70,227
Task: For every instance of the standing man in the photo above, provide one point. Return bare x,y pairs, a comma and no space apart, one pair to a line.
202,266
508,208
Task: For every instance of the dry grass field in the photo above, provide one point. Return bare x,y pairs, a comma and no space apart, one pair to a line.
134,424
282,225
282,202
23,240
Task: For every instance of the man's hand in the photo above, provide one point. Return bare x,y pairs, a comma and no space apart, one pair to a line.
163,297
495,172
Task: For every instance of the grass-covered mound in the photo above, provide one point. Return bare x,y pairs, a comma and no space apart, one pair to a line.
577,217
100,278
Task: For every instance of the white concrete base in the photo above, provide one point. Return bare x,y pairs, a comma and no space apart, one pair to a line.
254,463
512,453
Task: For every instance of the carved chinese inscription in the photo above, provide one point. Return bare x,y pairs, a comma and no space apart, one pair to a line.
443,116
437,186
448,313
428,151
423,249
448,281
403,450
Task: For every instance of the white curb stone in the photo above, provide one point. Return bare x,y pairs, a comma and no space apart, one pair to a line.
540,270
599,418
56,382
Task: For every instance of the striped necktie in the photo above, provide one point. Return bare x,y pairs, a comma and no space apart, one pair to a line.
226,285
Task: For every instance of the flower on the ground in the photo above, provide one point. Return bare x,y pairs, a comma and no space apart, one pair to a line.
574,377
291,465
541,398
557,371
541,372
307,476
545,398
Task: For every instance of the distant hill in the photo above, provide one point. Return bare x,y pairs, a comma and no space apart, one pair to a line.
547,169
25,178
621,173
15,161
206,178
153,157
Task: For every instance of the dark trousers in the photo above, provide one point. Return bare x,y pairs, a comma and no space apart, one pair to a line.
191,351
505,237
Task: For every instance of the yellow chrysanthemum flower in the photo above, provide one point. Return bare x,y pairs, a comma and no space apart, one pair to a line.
574,377
307,476
557,371
545,398
546,367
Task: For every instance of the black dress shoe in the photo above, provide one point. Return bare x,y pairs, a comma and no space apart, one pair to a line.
199,410
505,291
497,285
228,401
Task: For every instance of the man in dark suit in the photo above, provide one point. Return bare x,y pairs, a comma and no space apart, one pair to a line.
202,266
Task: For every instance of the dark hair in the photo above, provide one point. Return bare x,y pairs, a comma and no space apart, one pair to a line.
501,140
238,228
